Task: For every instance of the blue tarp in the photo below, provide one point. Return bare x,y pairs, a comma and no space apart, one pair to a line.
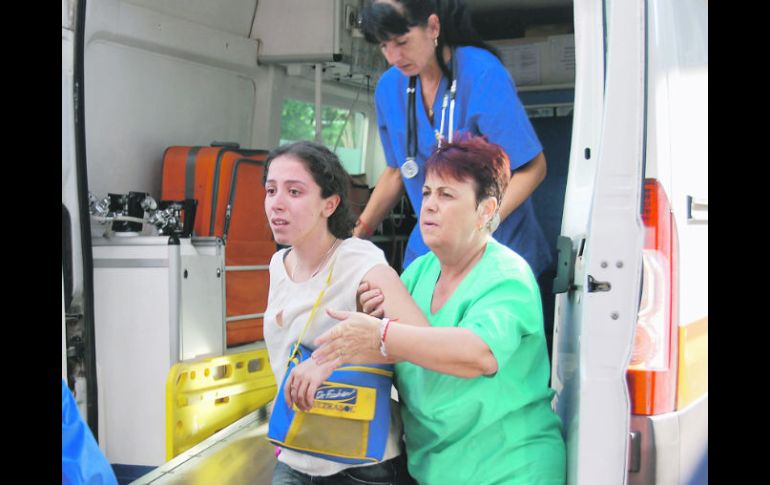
82,462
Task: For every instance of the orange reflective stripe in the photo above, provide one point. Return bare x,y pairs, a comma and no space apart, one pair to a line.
693,362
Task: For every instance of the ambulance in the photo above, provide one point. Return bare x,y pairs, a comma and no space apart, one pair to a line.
174,382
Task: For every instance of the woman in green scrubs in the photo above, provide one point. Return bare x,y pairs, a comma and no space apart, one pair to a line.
473,386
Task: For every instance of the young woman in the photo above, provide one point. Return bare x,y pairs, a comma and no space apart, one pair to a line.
307,206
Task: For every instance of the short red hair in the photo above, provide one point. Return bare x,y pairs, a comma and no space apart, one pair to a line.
472,157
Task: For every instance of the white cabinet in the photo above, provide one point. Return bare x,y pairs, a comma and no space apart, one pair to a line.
157,301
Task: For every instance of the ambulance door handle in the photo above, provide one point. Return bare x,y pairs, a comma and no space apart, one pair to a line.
595,285
697,210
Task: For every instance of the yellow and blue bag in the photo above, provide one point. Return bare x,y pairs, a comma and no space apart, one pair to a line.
350,418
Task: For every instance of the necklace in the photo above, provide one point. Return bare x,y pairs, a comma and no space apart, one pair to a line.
409,169
323,260
429,97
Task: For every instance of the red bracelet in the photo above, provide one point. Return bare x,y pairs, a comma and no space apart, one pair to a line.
384,332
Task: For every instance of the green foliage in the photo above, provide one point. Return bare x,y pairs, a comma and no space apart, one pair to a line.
298,123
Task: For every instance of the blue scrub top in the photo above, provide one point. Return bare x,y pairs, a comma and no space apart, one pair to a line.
486,103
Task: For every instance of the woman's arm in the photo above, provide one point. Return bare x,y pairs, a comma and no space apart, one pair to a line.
386,194
455,351
398,305
523,182
303,381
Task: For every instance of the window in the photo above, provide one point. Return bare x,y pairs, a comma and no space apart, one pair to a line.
342,132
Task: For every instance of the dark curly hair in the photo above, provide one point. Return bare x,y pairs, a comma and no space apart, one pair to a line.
473,158
328,173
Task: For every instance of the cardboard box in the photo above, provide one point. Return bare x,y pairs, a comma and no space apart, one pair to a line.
534,61
523,58
559,67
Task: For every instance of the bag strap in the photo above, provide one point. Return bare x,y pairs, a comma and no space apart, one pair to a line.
315,307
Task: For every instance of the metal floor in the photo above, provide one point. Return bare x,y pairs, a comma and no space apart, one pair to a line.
238,454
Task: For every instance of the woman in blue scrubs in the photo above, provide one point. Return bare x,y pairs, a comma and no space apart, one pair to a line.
432,43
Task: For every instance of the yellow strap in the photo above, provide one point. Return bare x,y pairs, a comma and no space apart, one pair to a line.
315,307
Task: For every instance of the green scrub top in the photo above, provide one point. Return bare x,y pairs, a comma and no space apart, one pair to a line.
497,429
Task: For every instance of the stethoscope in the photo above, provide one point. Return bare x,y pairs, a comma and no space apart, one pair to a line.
410,168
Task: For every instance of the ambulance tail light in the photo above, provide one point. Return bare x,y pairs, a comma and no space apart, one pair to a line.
652,372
